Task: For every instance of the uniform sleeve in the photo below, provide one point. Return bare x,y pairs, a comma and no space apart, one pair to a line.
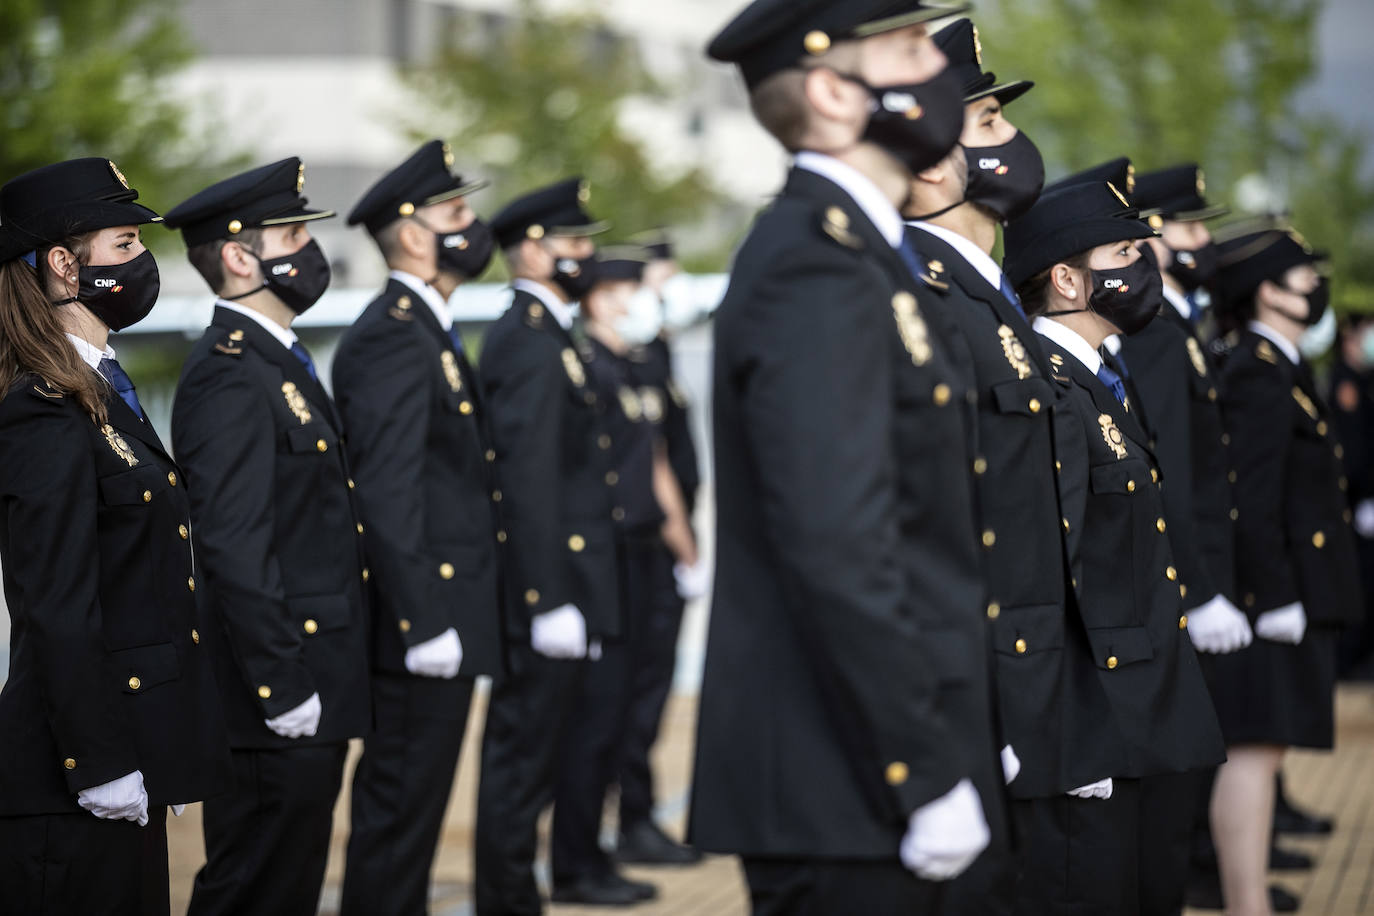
382,388
816,390
50,507
225,441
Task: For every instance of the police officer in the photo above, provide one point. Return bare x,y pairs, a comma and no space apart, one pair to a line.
845,713
561,507
1296,567
424,466
280,542
110,713
1078,271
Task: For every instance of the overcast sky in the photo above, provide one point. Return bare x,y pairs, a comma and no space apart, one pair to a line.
1345,77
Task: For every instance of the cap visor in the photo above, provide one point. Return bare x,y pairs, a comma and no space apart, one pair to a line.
300,216
1194,216
902,20
1006,93
577,232
462,190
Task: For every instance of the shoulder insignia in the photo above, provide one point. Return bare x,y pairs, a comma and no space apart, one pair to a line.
451,373
1195,354
1014,351
912,327
573,366
534,315
1115,441
1265,351
1305,402
118,445
48,391
295,401
401,311
651,399
232,344
677,394
934,271
835,223
227,350
1056,359
630,404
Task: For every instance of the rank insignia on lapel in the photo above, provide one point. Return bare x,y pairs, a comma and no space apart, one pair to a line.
1266,352
451,373
652,401
931,278
836,225
1015,352
630,405
1195,354
1304,402
534,315
296,402
573,366
1115,441
117,443
401,310
912,327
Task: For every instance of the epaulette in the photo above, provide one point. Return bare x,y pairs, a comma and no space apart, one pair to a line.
1265,351
534,315
401,310
835,223
932,277
231,344
1057,371
45,389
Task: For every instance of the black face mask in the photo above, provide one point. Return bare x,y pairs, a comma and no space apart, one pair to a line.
918,123
120,295
576,277
1006,179
1194,269
1318,301
1128,297
298,279
466,252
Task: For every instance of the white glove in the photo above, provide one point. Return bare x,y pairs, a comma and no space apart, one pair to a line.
123,799
1011,764
437,657
1100,789
1283,624
299,722
178,810
943,837
1219,626
692,581
1364,518
559,633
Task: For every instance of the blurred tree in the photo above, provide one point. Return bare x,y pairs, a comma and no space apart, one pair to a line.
1215,82
532,97
87,78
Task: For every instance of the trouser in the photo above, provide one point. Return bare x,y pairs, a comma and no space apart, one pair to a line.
63,864
266,842
822,887
400,792
1168,804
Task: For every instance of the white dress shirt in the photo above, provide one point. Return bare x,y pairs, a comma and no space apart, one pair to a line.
89,354
1070,340
1274,337
1177,300
977,258
432,297
872,201
286,336
561,311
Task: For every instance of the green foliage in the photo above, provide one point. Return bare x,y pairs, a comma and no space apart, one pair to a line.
538,99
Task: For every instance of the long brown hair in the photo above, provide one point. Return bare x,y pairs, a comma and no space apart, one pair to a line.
33,339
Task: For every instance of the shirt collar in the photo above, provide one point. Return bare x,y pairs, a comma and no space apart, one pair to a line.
1278,340
1070,340
1177,300
89,354
976,257
285,336
861,188
561,311
433,298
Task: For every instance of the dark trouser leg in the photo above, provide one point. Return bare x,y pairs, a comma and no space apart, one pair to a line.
1168,806
528,712
60,864
814,887
266,842
400,792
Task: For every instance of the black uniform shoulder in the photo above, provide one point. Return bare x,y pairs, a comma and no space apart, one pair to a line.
30,396
1259,361
1059,360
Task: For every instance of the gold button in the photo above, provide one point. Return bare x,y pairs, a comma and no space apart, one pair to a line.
941,395
980,466
183,531
404,625
989,538
1034,405
321,445
1183,591
612,478
465,408
576,543
1160,526
1235,514
1066,523
351,484
366,574
1111,661
171,478
147,496
135,683
603,442
191,583
360,527
235,227
445,570
1342,483
897,773
501,537
1225,438
618,514
1171,574
994,611
1020,647
1319,540
1183,622
1340,452
1058,467
1211,394
69,763
1249,600
817,42
312,627
1321,427
491,454
532,596
1154,475
1130,486
195,636
496,496
1231,476
265,692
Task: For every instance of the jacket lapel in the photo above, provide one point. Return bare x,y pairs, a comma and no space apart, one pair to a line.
430,321
271,350
1106,403
122,417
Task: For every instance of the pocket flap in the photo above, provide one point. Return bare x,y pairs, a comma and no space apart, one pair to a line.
145,667
329,612
1114,647
1029,629
127,488
1125,476
1029,396
309,439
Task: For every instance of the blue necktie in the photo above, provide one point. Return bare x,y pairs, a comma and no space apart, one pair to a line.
1010,293
120,381
1194,310
1120,359
914,262
457,338
1113,381
299,351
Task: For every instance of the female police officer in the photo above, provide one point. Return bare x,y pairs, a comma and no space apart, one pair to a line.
109,714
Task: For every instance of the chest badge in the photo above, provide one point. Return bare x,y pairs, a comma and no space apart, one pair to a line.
119,445
912,327
451,373
573,366
1015,352
1111,433
630,405
1195,354
1305,402
295,402
651,399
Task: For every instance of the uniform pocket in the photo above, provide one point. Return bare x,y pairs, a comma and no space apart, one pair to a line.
135,486
143,668
1115,647
312,439
320,613
1028,397
1028,630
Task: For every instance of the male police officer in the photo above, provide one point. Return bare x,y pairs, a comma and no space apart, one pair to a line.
279,541
424,465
